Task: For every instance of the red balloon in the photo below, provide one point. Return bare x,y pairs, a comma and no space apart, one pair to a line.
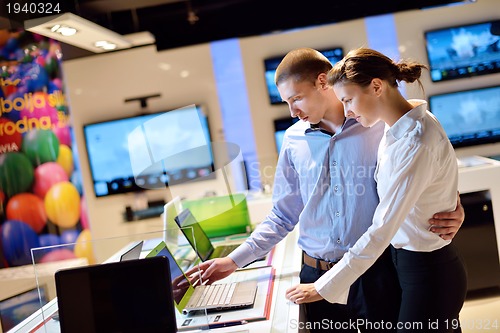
28,208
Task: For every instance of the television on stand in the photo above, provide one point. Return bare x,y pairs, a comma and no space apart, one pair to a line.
117,148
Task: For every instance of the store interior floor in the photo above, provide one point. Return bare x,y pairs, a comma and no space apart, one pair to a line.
481,312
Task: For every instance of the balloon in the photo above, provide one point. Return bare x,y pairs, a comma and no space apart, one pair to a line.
63,134
83,246
65,159
69,236
62,204
84,220
16,173
10,138
41,146
4,37
18,239
49,240
14,103
39,108
28,208
58,254
36,77
46,175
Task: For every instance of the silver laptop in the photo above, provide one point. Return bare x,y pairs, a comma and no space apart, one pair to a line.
215,297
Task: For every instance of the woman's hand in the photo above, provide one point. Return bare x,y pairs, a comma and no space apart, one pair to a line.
303,293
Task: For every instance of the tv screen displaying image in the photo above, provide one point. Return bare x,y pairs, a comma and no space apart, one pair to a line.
463,51
333,54
149,151
280,127
469,117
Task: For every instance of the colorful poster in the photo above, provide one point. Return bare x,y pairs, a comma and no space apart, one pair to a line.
41,199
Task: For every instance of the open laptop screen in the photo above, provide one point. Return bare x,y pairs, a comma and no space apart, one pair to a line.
182,288
195,234
127,296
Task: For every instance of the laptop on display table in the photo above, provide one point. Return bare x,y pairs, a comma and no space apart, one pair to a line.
198,239
128,296
216,297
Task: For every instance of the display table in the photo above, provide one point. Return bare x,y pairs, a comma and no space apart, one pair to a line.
286,264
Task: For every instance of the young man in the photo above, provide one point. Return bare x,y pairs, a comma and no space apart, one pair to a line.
324,180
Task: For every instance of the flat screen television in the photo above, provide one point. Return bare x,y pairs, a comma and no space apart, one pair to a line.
463,50
280,126
149,151
333,54
470,117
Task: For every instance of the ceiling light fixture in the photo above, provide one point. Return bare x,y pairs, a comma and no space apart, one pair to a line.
75,30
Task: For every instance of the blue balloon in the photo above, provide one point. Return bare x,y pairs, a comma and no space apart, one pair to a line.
45,241
49,240
18,238
37,78
68,237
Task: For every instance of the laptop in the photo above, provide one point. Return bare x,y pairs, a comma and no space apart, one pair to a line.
126,296
133,253
198,239
215,297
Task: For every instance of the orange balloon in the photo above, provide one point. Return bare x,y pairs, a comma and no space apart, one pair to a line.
62,204
65,159
28,208
83,246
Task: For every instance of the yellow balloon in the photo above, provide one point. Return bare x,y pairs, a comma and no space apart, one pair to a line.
62,204
83,246
65,159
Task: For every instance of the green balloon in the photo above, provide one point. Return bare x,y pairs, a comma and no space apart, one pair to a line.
16,173
41,146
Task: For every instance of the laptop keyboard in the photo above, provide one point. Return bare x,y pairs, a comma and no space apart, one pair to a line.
217,294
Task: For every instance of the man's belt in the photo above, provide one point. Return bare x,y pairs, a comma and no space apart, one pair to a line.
317,263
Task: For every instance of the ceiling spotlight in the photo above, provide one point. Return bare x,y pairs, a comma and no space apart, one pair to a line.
63,30
75,30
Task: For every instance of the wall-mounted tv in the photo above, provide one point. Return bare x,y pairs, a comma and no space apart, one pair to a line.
470,117
333,54
280,126
159,143
463,51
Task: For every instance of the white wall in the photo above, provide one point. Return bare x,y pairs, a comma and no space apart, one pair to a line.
98,85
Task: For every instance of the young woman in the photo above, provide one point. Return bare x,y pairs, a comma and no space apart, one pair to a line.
416,175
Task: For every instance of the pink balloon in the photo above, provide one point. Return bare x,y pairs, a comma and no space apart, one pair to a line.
63,134
56,255
47,175
57,82
84,220
40,108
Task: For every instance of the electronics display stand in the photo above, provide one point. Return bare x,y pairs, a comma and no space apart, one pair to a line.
478,239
